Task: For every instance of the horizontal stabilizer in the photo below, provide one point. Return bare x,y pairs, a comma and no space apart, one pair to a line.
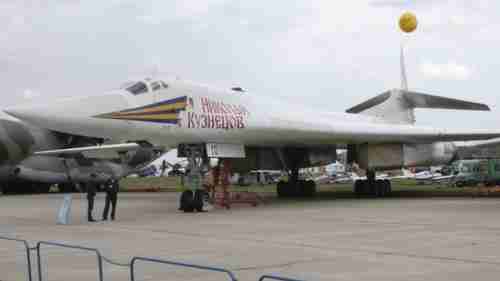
370,103
419,100
397,106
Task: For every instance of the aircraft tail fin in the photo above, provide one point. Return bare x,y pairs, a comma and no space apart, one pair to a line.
397,105
404,81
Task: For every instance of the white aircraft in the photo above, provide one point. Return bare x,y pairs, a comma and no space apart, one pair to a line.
426,175
256,132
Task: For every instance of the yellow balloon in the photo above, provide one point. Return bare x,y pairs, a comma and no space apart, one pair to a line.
408,22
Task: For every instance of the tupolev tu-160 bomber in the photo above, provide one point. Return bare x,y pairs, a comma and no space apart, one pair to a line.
249,140
250,132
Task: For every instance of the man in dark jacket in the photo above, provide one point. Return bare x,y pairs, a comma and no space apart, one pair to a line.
91,193
112,188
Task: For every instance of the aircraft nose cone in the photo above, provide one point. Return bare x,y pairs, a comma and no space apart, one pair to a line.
75,116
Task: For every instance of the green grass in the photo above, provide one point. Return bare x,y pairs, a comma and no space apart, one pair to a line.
401,188
149,183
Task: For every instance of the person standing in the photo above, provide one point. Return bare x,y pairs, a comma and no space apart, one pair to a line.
91,193
163,168
112,188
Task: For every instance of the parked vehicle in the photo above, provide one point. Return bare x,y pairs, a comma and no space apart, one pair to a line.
473,172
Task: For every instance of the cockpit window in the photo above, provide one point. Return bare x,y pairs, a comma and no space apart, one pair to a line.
138,88
164,84
155,86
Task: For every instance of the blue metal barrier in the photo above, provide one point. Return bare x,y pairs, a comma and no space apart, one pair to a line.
132,264
273,277
201,267
39,259
28,256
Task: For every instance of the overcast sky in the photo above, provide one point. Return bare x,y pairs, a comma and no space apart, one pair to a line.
327,54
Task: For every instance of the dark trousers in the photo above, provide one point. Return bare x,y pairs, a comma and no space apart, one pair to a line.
90,200
109,199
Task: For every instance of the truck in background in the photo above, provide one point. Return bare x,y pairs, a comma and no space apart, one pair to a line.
474,172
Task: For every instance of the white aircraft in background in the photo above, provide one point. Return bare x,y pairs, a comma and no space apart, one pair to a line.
426,175
256,132
405,175
432,177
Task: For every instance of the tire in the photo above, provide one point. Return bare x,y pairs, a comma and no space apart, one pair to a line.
363,187
371,188
297,189
7,189
281,189
379,188
357,188
388,188
309,188
186,201
198,200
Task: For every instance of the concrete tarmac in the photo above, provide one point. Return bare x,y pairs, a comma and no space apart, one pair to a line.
331,239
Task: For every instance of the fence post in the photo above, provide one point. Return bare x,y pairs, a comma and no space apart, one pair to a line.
39,259
28,255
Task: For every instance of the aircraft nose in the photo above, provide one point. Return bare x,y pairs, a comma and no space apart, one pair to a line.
75,116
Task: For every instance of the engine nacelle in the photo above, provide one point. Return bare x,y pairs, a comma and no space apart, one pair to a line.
263,158
395,156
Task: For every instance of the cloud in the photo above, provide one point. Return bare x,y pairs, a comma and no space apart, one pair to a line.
30,94
445,71
391,3
314,50
158,12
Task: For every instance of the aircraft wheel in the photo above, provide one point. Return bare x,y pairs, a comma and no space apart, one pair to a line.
198,200
295,189
388,187
186,201
356,188
308,188
363,187
281,189
379,188
371,189
7,189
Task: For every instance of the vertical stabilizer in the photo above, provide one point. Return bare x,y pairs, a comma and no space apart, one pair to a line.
404,81
397,105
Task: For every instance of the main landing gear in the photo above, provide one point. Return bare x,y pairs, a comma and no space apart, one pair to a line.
372,187
295,187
